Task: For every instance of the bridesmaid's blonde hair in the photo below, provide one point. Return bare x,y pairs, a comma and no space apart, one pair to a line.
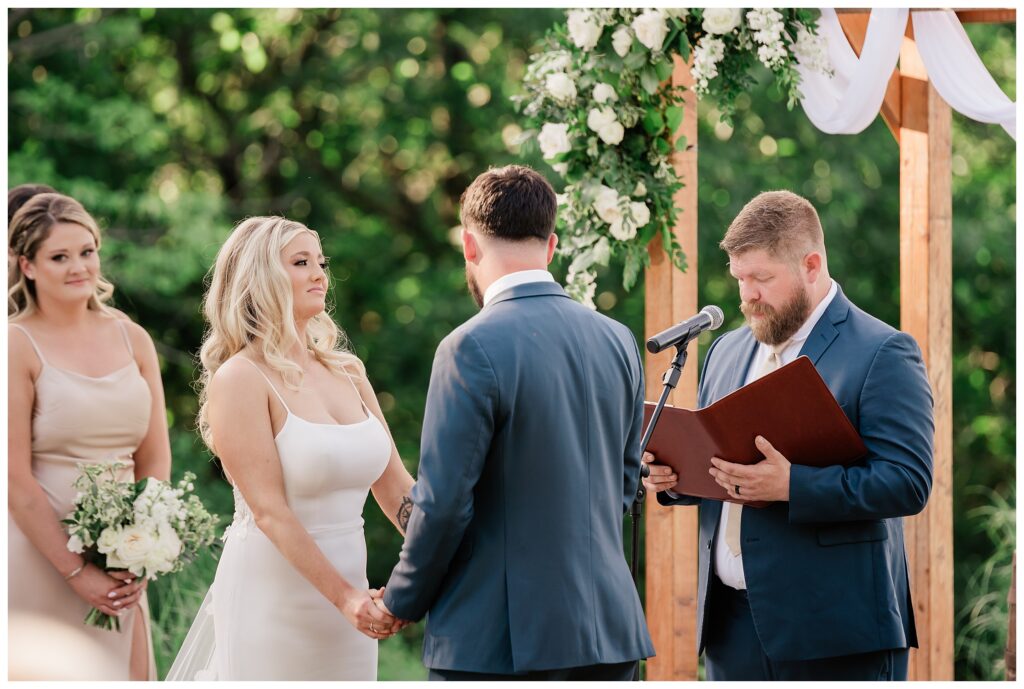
249,304
28,229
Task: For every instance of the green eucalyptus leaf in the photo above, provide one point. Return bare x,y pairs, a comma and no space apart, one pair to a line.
649,80
654,123
681,143
673,117
663,68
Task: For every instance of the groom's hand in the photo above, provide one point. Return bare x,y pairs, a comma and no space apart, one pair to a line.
378,598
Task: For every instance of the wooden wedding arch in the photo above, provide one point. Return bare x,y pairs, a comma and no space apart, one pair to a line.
920,121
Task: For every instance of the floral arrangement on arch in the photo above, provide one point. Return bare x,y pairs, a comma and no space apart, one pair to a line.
599,102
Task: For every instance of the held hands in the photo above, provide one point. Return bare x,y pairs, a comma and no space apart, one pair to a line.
109,592
766,481
359,607
661,478
378,599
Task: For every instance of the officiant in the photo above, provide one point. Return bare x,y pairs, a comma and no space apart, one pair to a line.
815,585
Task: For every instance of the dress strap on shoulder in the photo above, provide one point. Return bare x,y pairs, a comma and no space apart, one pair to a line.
127,339
356,388
272,386
32,341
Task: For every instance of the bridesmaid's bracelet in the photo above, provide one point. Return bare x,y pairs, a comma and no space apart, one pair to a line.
75,573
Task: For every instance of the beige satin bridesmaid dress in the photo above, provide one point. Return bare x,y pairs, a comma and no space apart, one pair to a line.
75,419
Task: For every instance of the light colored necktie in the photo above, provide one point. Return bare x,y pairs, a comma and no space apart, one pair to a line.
732,520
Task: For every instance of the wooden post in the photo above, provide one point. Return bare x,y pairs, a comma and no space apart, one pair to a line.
671,533
926,313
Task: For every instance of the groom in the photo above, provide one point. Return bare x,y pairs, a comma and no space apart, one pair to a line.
529,457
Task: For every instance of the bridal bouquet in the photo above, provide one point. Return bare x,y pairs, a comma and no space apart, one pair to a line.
148,528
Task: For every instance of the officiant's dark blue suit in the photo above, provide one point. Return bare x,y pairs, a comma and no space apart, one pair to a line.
530,455
826,572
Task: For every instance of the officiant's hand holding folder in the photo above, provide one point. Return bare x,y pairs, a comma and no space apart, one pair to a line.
792,407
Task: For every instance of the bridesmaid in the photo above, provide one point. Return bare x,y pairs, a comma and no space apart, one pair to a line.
83,386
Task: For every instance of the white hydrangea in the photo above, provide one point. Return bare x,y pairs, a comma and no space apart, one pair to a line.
706,56
584,29
582,286
651,28
768,26
810,51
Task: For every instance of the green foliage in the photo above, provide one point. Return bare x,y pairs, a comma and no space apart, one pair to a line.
983,622
172,125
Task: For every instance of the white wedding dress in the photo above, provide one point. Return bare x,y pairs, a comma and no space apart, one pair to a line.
261,619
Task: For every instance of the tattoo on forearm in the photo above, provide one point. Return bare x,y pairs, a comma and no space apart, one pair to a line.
404,512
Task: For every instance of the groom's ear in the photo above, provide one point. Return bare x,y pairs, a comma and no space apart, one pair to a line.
470,246
552,243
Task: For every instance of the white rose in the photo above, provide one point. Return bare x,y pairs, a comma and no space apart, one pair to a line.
134,550
604,93
611,134
599,118
641,213
560,86
650,29
584,31
554,140
721,20
168,546
606,205
623,231
108,541
622,41
75,544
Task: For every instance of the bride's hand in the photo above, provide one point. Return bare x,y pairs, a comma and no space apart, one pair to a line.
360,610
93,585
129,590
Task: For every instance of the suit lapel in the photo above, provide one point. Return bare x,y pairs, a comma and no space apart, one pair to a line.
826,329
745,359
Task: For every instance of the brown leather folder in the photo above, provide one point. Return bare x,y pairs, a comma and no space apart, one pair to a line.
791,407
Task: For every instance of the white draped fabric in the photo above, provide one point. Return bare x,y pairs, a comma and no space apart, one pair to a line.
849,100
958,73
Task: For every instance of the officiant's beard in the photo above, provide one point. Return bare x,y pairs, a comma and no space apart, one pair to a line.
474,289
778,325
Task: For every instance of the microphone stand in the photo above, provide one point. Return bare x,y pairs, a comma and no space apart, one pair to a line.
669,380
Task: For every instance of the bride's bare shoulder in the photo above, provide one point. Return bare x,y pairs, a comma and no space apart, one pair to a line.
238,378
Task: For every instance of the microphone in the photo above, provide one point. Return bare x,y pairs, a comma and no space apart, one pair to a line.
709,318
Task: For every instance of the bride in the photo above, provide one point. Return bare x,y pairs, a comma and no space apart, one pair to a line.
302,439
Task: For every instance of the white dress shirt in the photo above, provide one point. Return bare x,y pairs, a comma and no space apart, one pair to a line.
729,567
521,277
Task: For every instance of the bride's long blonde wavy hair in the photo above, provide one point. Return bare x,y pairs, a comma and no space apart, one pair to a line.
249,304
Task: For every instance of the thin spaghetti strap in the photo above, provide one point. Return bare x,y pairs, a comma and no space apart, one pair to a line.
39,352
272,386
127,340
356,388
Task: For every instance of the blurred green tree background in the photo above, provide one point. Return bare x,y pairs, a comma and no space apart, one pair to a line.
172,125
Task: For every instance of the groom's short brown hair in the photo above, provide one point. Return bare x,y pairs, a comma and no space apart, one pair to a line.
512,203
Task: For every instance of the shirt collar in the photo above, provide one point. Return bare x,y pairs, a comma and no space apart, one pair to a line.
521,277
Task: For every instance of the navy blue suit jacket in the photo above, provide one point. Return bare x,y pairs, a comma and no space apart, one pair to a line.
826,572
530,455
